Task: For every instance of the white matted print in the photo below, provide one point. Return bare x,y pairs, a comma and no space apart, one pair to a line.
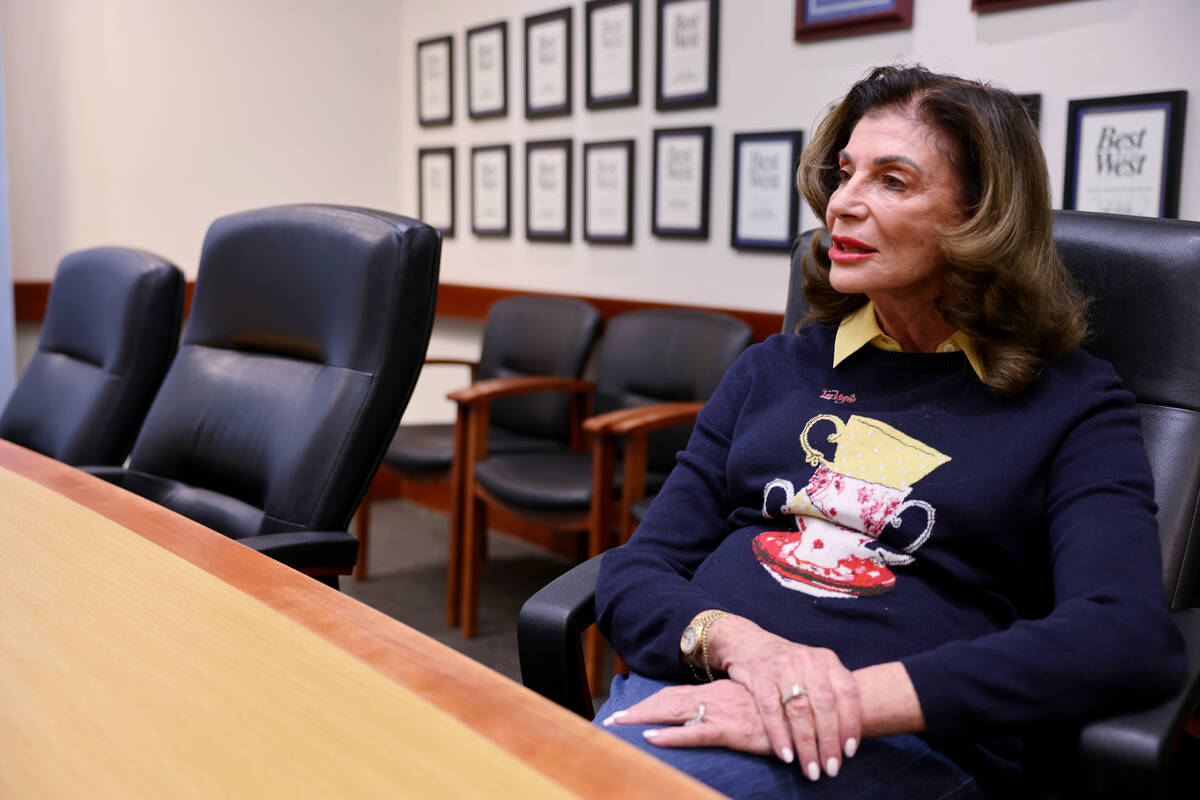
435,201
548,64
490,190
613,44
487,70
766,204
681,182
435,81
548,190
608,191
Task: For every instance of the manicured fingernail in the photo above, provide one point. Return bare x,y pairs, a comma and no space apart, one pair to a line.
650,734
786,756
614,717
851,747
814,771
831,767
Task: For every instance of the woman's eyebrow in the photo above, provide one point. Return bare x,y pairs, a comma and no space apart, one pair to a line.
896,159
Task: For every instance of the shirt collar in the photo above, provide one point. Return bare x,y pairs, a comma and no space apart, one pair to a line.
860,328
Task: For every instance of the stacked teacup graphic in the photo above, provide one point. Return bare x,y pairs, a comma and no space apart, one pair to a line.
835,550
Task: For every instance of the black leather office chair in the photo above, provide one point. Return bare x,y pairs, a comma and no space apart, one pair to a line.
645,357
110,331
1145,277
522,336
307,330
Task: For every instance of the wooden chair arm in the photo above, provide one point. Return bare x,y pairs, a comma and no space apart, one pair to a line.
473,366
484,392
637,420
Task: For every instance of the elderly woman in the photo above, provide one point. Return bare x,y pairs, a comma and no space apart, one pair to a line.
911,545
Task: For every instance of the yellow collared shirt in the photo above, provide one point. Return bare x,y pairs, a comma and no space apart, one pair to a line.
861,328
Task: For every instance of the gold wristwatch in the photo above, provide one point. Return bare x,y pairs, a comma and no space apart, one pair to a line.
693,644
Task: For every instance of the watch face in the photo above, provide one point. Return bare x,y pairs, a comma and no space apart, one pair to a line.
688,642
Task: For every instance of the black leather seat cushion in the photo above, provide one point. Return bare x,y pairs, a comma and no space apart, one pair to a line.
430,448
547,482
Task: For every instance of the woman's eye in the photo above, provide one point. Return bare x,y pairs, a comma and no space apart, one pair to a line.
892,182
843,175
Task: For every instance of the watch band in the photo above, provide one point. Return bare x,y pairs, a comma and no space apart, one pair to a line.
705,622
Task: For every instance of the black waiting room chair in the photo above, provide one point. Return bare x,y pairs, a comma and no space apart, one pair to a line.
650,363
111,327
522,336
1144,275
307,330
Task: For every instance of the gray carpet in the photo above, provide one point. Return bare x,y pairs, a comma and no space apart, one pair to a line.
407,581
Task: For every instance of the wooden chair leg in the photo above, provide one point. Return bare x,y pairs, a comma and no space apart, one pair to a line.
475,529
458,488
362,529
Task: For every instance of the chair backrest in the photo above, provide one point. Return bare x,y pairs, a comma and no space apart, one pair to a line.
111,328
1144,277
536,336
307,331
661,356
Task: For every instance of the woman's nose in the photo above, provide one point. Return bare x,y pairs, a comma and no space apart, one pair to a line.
847,201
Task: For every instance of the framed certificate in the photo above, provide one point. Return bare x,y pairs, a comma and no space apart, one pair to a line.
613,44
828,19
435,81
548,64
608,191
490,206
435,189
766,203
548,190
687,54
1124,154
682,159
487,71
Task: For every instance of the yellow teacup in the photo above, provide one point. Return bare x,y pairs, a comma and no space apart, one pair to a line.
873,451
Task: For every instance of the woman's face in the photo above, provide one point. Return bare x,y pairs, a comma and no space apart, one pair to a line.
896,187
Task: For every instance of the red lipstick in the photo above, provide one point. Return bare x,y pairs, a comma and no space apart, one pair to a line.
847,250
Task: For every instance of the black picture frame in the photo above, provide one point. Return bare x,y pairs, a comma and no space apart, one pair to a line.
831,19
766,203
686,56
604,194
428,188
612,27
681,182
548,190
555,77
1033,104
1125,154
435,81
487,71
493,197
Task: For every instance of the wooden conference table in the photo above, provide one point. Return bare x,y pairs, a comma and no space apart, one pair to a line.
144,655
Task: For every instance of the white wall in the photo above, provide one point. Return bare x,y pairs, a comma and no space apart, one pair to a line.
1082,48
140,121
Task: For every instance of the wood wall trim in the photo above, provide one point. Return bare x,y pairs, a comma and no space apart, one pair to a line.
454,300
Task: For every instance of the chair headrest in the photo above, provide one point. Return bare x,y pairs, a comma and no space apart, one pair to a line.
265,281
1144,277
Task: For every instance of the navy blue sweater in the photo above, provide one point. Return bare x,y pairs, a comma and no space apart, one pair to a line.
893,508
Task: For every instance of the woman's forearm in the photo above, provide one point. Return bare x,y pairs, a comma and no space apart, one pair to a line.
889,701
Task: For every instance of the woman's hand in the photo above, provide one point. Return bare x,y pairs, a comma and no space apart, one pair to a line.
808,702
730,717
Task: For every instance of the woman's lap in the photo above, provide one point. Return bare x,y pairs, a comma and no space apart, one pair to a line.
892,767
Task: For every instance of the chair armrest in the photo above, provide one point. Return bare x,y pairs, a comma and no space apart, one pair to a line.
642,419
311,552
1126,755
483,392
548,637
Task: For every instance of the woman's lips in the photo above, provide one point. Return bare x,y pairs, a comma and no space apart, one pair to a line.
846,250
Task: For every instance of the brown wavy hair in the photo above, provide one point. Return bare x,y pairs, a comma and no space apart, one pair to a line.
1010,290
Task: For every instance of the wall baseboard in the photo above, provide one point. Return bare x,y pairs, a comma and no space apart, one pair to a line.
454,300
